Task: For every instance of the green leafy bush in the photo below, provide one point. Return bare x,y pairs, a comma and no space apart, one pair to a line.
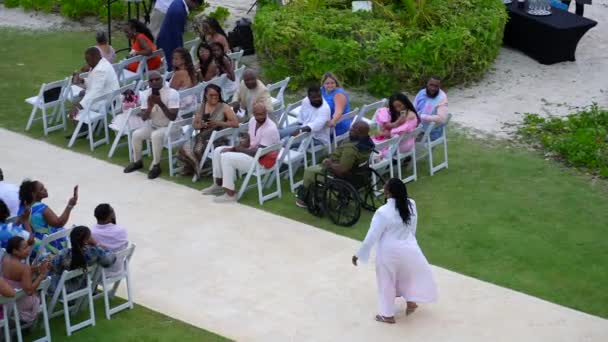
39,5
11,3
220,14
388,48
580,139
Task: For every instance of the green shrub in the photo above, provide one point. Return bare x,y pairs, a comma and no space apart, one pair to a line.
39,5
457,39
580,139
220,14
77,9
11,3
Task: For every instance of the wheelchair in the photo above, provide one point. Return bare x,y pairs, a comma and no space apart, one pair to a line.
342,198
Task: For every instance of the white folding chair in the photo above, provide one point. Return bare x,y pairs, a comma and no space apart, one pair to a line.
96,113
235,58
295,158
287,118
399,156
122,130
383,163
260,172
191,46
42,291
278,100
50,101
219,81
238,76
45,244
62,295
426,146
127,76
178,133
276,115
348,116
9,305
370,108
116,99
74,92
189,101
226,133
109,282
163,66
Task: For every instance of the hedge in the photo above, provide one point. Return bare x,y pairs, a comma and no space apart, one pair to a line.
74,9
456,39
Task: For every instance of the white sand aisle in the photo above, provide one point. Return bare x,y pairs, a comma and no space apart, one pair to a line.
254,276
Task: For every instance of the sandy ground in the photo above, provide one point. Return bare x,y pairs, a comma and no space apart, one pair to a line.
254,276
516,84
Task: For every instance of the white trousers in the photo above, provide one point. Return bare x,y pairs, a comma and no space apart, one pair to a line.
157,135
226,164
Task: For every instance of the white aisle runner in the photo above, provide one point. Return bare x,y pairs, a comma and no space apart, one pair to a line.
253,276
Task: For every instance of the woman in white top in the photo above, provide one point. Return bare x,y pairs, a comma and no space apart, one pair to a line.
401,268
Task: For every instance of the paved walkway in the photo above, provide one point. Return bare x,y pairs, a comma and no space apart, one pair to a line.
253,276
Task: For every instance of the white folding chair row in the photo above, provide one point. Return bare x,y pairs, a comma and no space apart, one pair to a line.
261,173
425,146
347,116
50,101
62,295
94,114
370,108
9,306
226,133
110,282
278,100
235,58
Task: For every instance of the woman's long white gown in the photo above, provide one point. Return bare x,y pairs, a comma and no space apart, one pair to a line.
401,268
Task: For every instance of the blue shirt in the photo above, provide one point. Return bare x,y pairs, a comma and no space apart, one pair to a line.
343,126
171,34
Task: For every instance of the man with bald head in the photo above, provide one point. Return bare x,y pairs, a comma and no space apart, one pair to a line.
226,160
102,80
159,104
250,91
349,155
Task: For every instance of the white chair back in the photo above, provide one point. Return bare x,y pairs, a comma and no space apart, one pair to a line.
235,58
370,108
278,100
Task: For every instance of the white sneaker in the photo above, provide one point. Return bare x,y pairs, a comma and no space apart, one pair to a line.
214,189
225,198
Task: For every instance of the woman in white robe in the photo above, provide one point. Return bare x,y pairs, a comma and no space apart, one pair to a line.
401,268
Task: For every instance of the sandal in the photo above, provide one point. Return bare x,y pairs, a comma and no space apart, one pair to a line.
410,309
388,320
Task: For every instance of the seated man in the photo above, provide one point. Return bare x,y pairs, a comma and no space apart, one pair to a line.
108,234
432,105
102,80
226,160
313,116
341,162
9,193
250,91
160,104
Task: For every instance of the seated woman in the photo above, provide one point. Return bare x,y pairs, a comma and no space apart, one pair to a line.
338,102
107,51
224,65
20,275
184,77
142,44
43,219
212,32
206,68
213,114
398,119
84,253
20,228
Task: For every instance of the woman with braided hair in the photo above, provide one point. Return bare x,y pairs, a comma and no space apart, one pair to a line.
401,268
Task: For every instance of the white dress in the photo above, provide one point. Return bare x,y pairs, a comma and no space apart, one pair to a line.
401,268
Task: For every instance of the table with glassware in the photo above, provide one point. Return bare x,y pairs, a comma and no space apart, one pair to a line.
549,35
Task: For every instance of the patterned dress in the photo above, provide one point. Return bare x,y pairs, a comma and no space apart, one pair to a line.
42,228
93,255
8,230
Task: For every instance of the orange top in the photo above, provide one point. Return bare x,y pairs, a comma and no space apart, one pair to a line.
153,63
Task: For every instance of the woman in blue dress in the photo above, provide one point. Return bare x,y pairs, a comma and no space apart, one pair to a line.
338,102
43,219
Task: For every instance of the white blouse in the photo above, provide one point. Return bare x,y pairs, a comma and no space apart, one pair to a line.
388,225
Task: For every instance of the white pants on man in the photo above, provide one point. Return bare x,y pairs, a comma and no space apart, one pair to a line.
157,135
225,165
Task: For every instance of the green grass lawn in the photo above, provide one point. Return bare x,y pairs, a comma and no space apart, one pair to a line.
499,213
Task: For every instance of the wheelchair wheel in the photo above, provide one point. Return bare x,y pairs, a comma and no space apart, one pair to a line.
314,201
373,194
342,203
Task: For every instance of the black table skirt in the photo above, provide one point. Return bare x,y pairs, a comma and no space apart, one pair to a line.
548,39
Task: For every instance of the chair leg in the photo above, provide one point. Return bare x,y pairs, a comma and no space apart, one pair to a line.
7,332
31,119
17,322
75,134
260,188
171,169
278,177
90,134
66,314
45,125
45,317
430,158
414,166
445,151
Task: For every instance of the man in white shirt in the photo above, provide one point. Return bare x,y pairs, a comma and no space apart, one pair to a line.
102,80
9,193
108,234
158,15
160,104
313,116
250,91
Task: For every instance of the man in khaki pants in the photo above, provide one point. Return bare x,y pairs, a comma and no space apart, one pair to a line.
158,15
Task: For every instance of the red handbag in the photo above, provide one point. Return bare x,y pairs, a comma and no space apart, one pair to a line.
269,159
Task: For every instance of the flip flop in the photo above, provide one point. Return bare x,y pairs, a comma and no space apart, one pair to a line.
383,319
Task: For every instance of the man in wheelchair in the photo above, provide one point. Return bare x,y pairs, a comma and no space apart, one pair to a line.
347,156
